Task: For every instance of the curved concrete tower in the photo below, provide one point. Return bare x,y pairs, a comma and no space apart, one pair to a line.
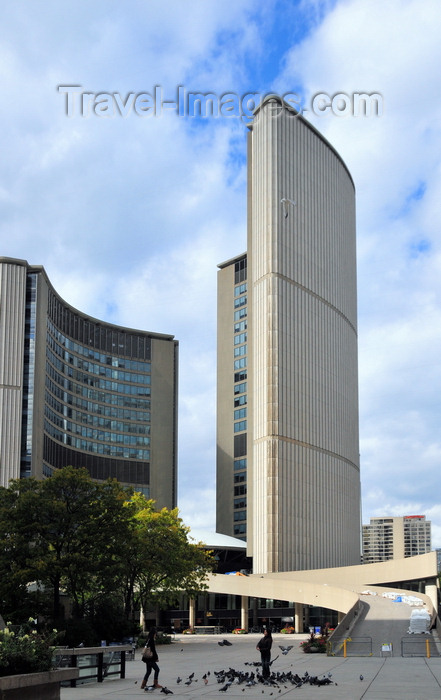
305,478
287,309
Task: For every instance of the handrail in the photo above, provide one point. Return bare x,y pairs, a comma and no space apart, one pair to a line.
101,667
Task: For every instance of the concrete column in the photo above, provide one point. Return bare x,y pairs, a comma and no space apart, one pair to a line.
298,618
244,612
306,617
432,591
255,613
191,612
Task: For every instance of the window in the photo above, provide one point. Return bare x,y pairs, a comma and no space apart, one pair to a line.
241,425
240,289
240,445
240,400
240,270
240,350
240,301
240,529
241,338
240,463
238,377
240,515
240,326
240,502
241,313
240,413
240,388
239,364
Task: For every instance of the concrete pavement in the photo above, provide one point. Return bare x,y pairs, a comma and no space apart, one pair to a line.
384,678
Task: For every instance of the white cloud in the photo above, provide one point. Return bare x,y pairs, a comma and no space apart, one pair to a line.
392,49
131,216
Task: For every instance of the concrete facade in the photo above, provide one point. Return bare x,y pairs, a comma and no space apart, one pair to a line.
77,391
301,430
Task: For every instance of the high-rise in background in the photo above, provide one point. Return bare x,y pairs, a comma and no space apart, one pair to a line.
396,538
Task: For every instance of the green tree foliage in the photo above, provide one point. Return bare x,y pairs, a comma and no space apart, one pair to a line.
96,542
70,532
161,562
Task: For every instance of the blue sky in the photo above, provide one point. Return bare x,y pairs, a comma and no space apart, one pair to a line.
131,215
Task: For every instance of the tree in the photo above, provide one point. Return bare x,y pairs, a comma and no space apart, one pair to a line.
16,601
75,529
99,543
161,562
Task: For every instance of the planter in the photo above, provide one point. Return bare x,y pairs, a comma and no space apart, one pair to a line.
35,686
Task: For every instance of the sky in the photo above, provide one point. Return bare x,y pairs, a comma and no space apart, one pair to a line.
130,203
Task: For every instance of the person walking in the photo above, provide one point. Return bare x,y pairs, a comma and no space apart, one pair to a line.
150,658
264,646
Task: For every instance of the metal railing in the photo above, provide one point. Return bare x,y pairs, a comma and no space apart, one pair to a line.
350,646
94,663
419,645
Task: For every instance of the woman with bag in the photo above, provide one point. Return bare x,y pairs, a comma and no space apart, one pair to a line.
150,657
264,646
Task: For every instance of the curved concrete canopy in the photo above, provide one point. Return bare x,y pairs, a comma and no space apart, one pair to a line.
336,589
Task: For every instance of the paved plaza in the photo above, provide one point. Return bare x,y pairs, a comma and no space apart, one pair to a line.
383,678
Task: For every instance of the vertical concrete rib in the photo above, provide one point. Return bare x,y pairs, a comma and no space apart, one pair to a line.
12,328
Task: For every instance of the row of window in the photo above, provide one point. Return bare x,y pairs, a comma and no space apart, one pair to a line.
240,412
101,336
94,413
115,387
88,377
97,422
101,448
113,370
104,397
66,426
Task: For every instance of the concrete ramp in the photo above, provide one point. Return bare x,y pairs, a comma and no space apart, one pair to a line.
386,623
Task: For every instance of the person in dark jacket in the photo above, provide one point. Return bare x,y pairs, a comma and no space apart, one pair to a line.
152,662
264,646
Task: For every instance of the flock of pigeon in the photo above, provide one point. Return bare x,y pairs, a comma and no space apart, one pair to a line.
252,678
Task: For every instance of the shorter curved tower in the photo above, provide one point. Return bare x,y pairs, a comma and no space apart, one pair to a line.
77,391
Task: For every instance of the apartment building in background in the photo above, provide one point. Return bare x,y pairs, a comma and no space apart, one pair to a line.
288,478
396,538
78,391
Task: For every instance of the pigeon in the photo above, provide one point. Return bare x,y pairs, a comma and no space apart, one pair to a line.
190,677
285,650
166,691
361,677
178,680
226,686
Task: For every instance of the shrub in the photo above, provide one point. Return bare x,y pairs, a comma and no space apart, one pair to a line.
314,643
24,650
